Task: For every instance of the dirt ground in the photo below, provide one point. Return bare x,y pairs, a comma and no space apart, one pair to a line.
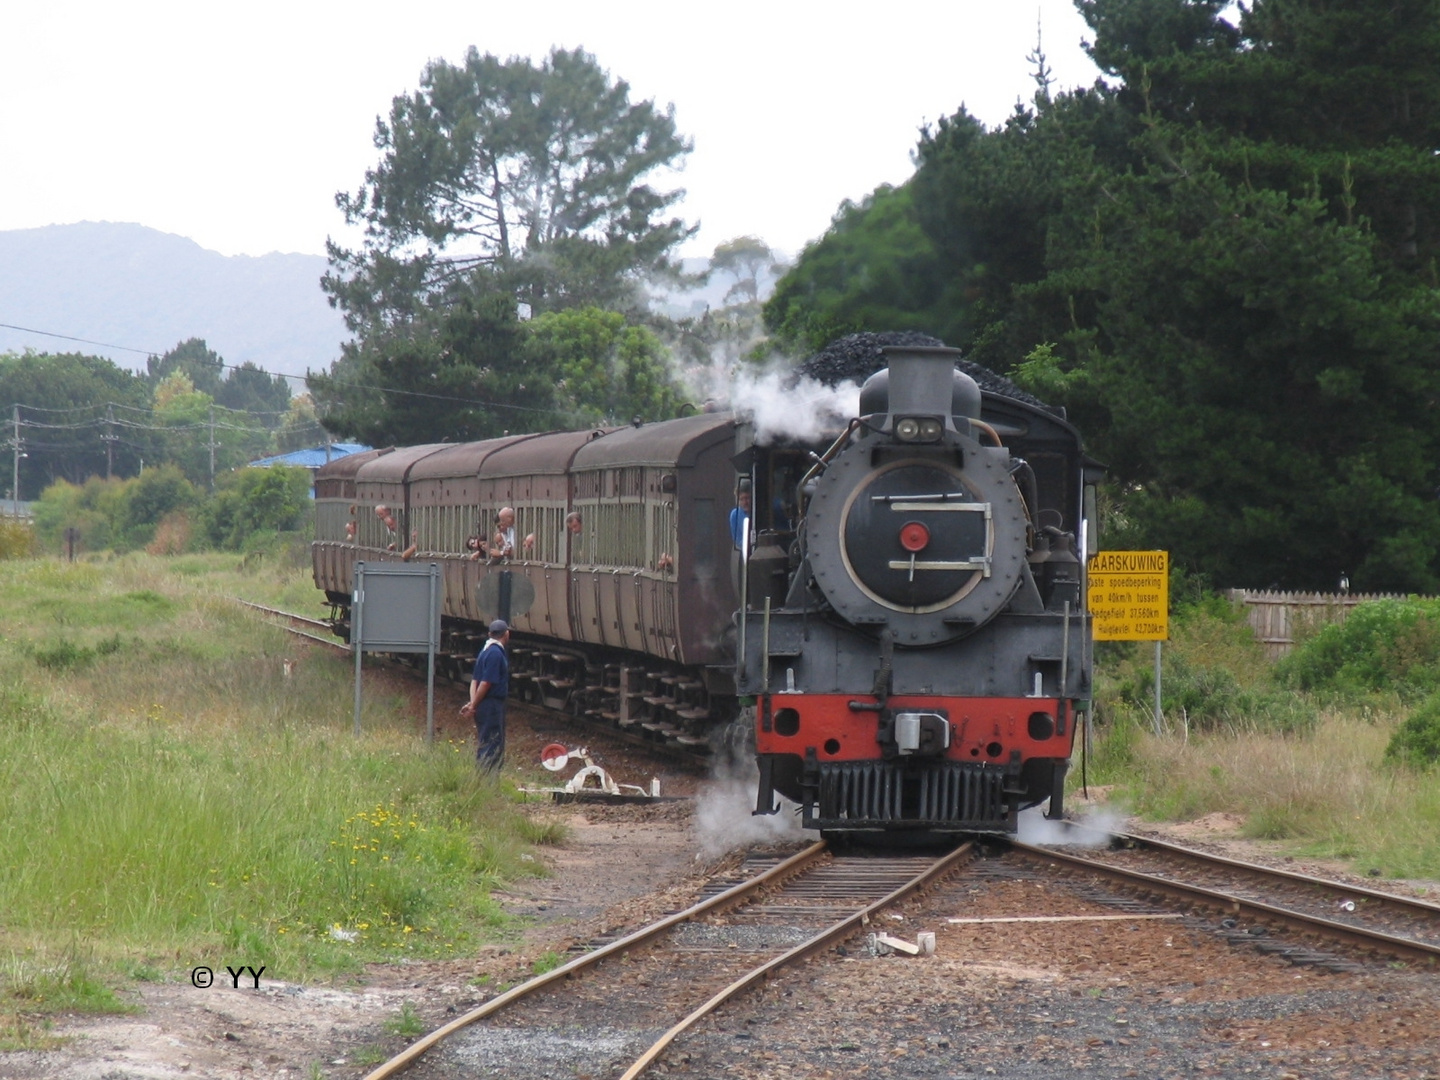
621,866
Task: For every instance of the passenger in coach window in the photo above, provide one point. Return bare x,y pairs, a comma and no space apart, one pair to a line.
388,520
502,545
572,538
572,528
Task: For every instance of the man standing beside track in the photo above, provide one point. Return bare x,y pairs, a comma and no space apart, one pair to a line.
489,687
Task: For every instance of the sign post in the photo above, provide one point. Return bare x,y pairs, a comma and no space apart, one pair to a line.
396,608
1129,598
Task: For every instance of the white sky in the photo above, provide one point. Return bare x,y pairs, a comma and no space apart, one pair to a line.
236,124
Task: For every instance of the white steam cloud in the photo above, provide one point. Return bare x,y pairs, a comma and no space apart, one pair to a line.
1098,827
803,411
723,818
771,398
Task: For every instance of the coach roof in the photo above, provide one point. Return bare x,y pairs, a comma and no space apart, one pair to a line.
457,460
668,442
345,468
392,468
540,455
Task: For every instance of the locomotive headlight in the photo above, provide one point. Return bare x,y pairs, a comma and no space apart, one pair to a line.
919,429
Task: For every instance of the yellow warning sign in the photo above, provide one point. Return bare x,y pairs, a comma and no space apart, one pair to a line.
1129,595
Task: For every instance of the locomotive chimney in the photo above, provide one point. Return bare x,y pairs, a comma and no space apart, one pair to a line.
921,381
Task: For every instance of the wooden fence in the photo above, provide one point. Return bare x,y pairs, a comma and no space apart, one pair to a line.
1277,616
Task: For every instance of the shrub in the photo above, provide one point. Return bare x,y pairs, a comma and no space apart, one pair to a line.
251,501
1417,740
63,655
17,539
92,509
1385,645
172,535
153,496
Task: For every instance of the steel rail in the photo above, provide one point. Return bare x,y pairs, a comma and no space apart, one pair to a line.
1414,903
328,642
842,929
1353,935
317,623
407,1057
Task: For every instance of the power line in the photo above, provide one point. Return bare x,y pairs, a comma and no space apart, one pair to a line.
83,341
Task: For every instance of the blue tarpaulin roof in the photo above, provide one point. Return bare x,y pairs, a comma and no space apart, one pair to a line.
312,457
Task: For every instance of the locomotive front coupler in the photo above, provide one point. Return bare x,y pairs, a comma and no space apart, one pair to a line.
913,733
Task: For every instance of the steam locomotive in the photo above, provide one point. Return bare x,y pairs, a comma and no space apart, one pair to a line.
890,618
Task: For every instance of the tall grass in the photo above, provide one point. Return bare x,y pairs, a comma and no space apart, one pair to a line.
168,792
1327,792
1309,769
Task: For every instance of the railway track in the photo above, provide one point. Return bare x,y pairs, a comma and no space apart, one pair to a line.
303,626
299,625
1301,907
666,977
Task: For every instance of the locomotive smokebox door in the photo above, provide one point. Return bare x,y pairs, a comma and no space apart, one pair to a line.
916,524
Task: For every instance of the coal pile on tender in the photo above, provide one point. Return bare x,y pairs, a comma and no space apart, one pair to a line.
855,357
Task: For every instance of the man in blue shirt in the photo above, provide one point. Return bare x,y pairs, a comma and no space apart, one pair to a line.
740,518
489,687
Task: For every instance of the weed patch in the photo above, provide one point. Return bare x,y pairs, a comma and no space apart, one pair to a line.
406,1023
19,1033
66,984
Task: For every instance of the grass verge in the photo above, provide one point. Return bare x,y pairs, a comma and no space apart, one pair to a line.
1308,769
171,798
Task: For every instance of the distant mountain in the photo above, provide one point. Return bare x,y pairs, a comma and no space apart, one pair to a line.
134,286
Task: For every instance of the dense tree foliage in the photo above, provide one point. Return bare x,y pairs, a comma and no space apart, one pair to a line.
1223,261
64,399
481,373
506,189
200,438
508,176
461,378
243,388
875,269
256,502
603,370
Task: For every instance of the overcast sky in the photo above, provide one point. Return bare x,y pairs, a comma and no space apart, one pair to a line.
235,124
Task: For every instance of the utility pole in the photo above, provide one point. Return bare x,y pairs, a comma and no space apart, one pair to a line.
15,476
212,449
109,441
